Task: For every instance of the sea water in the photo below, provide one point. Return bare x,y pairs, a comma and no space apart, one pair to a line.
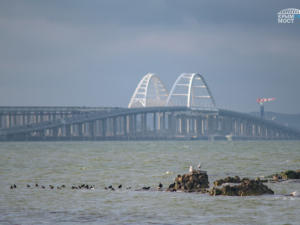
139,164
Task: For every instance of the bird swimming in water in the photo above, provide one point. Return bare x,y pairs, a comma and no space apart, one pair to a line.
191,169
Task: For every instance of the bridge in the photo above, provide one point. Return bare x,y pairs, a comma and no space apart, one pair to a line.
187,112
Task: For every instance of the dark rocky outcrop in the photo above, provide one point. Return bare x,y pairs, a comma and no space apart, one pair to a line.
196,181
235,179
245,187
285,175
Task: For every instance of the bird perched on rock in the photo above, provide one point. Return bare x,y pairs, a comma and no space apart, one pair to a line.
295,194
191,169
199,165
160,186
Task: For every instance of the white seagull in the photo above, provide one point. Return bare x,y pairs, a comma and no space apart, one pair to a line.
199,165
295,194
191,169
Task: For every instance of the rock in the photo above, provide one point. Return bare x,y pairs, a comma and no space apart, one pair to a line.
246,187
196,181
285,175
235,179
290,174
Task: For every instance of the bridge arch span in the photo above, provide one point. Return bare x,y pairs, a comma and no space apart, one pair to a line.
191,90
149,92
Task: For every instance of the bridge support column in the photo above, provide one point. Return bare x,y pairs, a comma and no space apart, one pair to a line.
183,125
171,124
211,125
154,122
68,130
198,126
79,127
132,124
91,129
10,120
163,122
104,127
124,125
15,119
114,126
55,132
188,125
144,122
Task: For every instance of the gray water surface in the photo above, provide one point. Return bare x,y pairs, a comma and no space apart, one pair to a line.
138,164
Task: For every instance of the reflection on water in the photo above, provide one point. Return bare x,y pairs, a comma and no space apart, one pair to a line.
138,164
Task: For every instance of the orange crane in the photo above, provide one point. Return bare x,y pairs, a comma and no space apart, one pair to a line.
261,102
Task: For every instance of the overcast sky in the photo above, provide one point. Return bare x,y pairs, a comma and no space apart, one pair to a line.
93,53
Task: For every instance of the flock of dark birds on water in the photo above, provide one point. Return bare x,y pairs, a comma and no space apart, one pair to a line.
84,186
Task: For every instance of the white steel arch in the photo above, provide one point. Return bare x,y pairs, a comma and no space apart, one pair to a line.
191,90
149,92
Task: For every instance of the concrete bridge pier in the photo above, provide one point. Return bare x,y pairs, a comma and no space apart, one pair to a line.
91,127
171,124
154,122
104,127
125,125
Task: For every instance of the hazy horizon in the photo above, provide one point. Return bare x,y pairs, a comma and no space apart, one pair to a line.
93,53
